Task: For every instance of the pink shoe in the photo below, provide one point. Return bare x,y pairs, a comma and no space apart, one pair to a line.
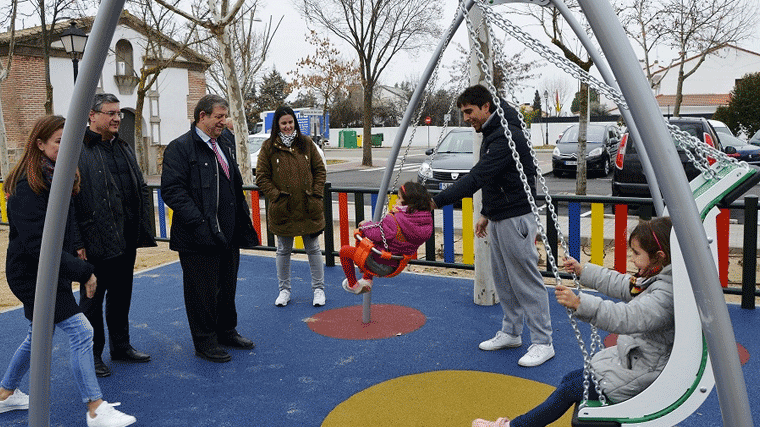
501,422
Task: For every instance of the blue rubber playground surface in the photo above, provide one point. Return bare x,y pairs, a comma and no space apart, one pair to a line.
434,375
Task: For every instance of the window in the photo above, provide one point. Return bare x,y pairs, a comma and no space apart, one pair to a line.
124,58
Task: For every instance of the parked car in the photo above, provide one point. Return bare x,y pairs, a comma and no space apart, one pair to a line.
452,161
720,128
740,150
628,179
755,140
254,146
602,142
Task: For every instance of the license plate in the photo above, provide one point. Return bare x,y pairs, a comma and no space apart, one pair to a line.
444,185
571,163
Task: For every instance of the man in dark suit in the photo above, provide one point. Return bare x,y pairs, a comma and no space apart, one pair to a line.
201,182
113,212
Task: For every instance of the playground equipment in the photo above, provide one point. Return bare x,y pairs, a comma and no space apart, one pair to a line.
654,135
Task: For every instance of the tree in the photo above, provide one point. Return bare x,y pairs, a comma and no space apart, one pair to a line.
743,111
644,22
325,72
161,51
222,17
699,27
4,72
272,91
377,30
537,102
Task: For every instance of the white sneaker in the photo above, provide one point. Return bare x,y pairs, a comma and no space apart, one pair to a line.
501,340
319,297
536,355
17,401
107,416
362,286
283,298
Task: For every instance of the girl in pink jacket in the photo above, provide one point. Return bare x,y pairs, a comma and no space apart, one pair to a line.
407,226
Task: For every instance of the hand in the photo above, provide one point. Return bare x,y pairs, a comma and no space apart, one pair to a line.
480,227
82,254
567,297
90,286
572,265
363,222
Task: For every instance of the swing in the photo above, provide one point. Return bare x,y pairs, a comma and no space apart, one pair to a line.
688,377
367,264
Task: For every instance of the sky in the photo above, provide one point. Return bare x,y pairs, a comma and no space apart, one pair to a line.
289,46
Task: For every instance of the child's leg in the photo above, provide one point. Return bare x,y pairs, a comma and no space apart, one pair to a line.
569,392
347,262
19,365
79,331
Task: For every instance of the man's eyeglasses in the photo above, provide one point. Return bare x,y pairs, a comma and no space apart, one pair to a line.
111,114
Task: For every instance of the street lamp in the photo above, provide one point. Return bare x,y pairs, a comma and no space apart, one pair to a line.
546,101
74,40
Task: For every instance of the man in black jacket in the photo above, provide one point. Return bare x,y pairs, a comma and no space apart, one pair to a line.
201,182
507,219
113,213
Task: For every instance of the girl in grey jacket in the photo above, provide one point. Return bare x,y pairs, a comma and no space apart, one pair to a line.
643,319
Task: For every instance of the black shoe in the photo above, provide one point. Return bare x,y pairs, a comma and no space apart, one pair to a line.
214,354
236,340
101,369
130,355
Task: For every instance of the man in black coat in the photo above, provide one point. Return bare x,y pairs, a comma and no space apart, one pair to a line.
113,213
507,219
201,182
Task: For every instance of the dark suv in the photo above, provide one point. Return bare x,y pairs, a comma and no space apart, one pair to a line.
628,178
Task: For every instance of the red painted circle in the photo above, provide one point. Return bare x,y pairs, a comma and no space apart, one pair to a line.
386,320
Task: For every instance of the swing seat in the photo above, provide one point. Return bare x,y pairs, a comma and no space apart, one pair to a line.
367,264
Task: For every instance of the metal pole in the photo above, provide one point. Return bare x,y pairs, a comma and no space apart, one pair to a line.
609,78
57,209
405,121
719,334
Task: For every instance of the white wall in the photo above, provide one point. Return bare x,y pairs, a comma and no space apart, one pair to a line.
717,74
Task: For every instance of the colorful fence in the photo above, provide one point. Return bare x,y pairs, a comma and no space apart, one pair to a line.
592,229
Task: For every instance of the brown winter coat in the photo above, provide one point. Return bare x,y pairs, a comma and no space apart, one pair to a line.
293,181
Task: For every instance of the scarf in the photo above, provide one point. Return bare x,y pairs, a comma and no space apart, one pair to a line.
639,281
287,139
47,168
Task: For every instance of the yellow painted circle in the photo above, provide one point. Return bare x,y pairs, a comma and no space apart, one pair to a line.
441,398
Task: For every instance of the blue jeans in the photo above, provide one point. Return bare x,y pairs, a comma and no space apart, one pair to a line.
316,262
79,332
569,392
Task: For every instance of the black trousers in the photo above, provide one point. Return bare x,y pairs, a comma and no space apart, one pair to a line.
115,286
210,283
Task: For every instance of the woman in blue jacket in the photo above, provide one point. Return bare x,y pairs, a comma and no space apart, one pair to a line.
28,189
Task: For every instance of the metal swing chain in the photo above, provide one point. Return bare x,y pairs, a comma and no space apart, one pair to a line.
433,81
550,257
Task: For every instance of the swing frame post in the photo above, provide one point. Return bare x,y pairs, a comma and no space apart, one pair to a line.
103,29
716,324
382,194
609,78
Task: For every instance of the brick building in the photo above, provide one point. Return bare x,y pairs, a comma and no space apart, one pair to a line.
168,106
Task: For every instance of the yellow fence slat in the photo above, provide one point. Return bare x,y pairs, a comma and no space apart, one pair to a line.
468,234
3,207
298,242
597,233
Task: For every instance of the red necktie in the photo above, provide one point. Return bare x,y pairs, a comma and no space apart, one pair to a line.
225,168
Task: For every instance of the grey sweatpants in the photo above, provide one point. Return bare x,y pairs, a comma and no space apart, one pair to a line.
521,290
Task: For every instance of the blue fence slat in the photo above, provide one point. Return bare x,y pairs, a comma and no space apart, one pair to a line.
574,229
448,233
161,215
373,197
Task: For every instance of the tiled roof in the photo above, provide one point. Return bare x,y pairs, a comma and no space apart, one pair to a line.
711,99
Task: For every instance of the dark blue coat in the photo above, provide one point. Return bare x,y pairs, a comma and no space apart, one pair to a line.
496,172
26,215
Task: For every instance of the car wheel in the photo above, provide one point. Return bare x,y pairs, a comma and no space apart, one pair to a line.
606,168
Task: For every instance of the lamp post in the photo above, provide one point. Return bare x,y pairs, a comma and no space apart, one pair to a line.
546,100
74,40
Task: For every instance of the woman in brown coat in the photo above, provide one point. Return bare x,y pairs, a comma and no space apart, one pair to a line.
291,174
